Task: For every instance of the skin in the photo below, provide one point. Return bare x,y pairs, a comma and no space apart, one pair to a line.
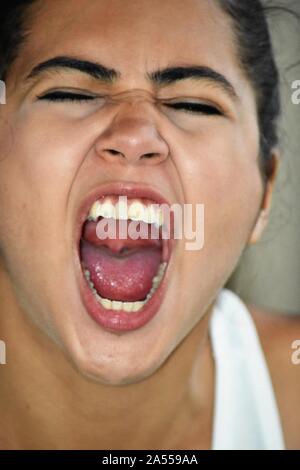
278,331
72,383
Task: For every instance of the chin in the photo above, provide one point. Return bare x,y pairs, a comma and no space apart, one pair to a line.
117,370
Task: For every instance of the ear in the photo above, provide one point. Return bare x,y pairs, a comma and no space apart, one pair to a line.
264,214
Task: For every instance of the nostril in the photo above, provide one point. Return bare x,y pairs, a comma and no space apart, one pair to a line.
145,155
150,155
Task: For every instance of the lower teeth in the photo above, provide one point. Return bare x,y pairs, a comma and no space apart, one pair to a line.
127,306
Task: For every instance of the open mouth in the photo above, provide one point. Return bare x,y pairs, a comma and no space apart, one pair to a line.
124,252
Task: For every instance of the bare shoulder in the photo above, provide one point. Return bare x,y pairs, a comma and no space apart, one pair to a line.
279,334
277,330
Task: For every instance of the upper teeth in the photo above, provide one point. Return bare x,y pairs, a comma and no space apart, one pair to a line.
133,210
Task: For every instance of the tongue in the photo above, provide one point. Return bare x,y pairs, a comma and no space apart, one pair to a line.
120,269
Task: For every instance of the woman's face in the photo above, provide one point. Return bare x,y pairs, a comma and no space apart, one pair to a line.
53,157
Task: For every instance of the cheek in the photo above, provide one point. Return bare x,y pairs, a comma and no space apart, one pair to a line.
221,170
38,170
222,173
35,178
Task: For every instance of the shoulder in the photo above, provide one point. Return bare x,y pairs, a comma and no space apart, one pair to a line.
278,331
279,334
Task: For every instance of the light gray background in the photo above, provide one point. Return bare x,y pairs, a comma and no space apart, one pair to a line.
269,272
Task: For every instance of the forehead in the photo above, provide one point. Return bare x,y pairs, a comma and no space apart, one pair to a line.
132,35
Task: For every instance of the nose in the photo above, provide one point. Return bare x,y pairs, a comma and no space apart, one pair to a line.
132,135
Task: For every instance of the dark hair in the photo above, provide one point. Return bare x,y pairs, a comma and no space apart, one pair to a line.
254,48
256,56
12,31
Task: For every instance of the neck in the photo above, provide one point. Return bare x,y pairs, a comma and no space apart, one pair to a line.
56,407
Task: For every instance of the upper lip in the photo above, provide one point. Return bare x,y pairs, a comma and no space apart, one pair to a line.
131,190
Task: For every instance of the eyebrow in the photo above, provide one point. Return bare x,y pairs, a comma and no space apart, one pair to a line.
160,77
93,69
164,77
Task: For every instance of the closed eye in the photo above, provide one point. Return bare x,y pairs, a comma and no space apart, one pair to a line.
200,108
66,96
190,107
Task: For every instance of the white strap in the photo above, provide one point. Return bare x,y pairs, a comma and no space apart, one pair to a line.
246,413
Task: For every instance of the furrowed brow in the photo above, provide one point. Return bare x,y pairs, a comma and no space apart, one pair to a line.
161,78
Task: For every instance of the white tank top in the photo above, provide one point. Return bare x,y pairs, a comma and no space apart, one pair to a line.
246,416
